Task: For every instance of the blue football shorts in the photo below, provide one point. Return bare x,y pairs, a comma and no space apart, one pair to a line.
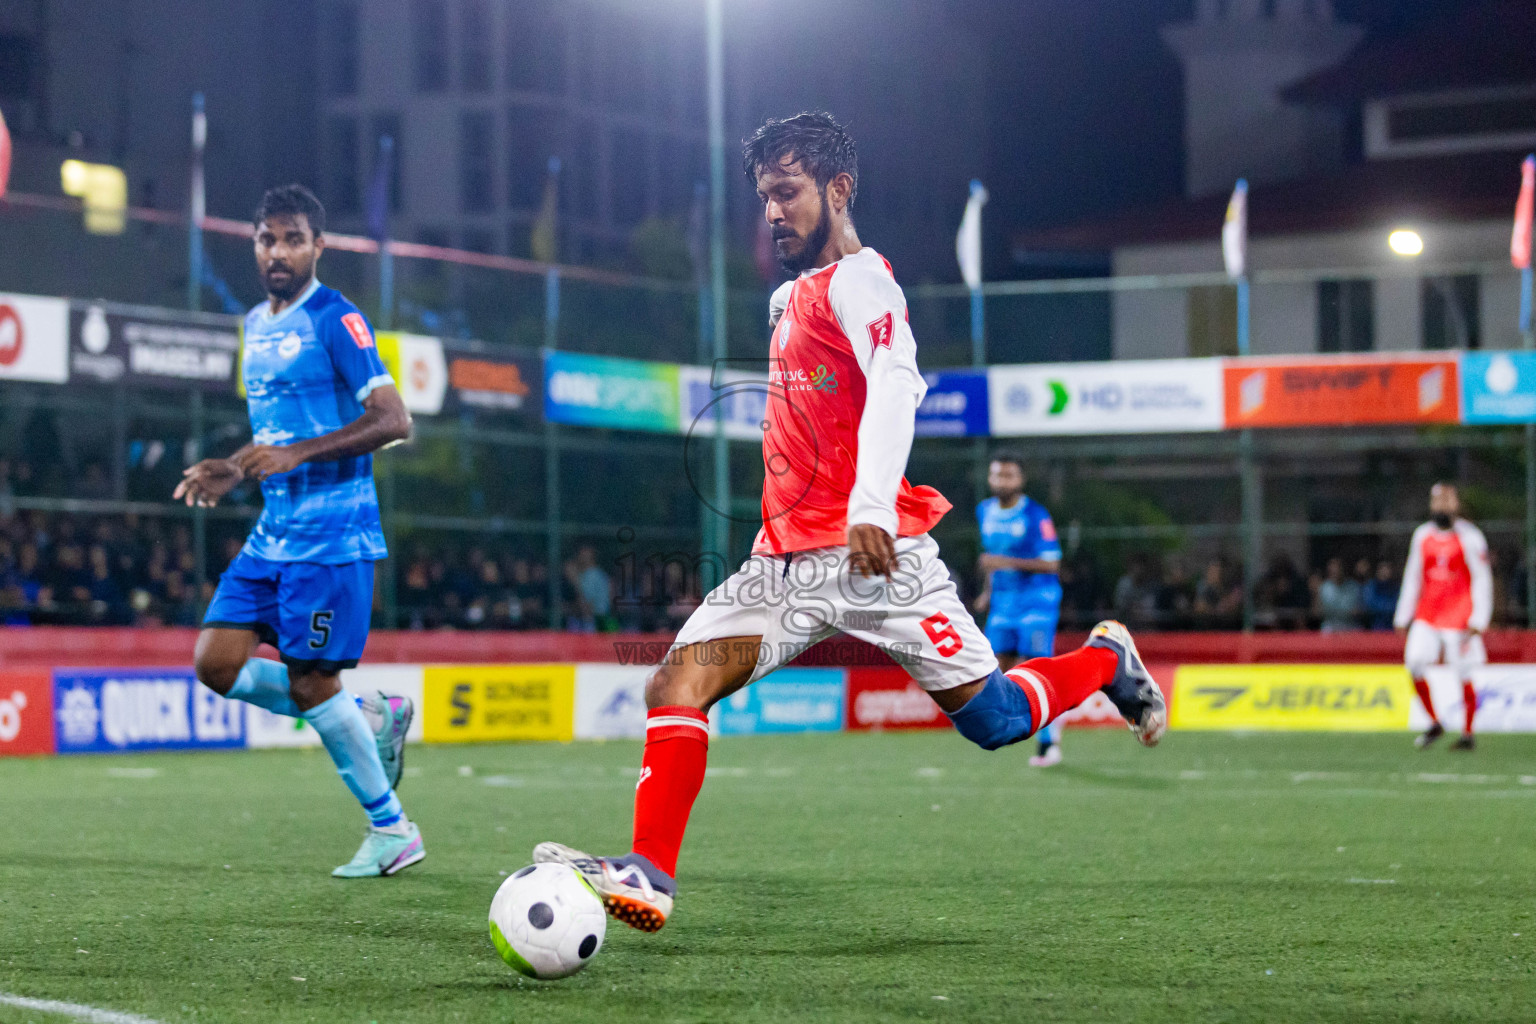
315,615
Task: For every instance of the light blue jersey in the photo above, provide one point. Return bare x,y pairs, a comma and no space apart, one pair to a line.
307,371
1023,531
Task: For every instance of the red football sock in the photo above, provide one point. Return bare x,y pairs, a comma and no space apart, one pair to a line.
671,774
1468,701
1422,689
1065,681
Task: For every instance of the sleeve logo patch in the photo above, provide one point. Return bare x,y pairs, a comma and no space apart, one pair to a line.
1047,529
358,328
881,329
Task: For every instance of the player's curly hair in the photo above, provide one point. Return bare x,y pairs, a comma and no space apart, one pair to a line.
813,137
290,201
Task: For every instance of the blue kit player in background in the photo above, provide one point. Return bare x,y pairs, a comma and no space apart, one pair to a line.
321,403
1021,592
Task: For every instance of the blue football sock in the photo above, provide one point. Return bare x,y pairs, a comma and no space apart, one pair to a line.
265,684
350,742
997,715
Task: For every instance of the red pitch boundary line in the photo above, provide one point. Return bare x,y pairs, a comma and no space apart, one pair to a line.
362,244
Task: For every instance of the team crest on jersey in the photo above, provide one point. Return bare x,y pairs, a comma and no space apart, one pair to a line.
783,333
880,330
290,345
358,328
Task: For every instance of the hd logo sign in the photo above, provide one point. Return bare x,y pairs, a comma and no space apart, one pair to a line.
1343,698
465,703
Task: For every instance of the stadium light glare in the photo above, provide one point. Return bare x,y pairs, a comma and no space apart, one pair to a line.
103,189
1406,242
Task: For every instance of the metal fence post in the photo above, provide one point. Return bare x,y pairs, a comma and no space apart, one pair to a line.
552,456
1253,515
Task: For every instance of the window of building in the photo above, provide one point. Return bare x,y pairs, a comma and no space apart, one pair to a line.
476,162
1346,316
1211,314
1450,311
429,44
479,240
535,47
378,127
342,193
533,136
476,37
339,29
631,175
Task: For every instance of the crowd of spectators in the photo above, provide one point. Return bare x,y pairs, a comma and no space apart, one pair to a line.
141,571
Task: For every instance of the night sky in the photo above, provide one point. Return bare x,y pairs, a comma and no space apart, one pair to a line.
1085,101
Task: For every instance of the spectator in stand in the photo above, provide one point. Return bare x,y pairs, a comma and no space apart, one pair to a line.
1282,599
594,591
1176,597
1339,602
1079,593
1218,598
1136,593
1380,597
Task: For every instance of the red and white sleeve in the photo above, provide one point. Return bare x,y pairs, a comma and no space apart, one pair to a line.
872,311
1474,548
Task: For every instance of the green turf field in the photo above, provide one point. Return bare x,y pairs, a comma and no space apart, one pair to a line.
826,878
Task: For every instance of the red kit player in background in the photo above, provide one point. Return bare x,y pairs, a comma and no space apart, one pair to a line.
844,544
1445,604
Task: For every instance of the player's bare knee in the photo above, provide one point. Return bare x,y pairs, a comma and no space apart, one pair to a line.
216,666
313,689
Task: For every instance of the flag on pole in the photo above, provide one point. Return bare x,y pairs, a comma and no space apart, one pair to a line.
543,242
1234,233
1525,207
380,190
968,240
5,156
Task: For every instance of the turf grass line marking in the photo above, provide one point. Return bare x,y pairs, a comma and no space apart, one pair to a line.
85,1014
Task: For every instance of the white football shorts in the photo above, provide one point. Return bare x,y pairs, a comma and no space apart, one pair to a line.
795,601
1429,646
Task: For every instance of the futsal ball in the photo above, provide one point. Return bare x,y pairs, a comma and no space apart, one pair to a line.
547,922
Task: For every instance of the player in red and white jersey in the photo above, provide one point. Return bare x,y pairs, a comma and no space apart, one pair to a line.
844,544
1445,604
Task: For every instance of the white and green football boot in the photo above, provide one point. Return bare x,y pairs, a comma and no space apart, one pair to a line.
1133,692
385,852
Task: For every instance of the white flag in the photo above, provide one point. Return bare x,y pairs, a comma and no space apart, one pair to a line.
1234,233
968,241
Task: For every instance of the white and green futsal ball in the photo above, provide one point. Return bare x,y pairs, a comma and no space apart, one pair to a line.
547,922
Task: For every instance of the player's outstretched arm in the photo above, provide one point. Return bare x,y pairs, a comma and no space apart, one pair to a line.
991,563
384,421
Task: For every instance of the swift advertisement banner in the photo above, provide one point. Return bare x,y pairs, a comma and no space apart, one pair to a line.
1341,392
1132,397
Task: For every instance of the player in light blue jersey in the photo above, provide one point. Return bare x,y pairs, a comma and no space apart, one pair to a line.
1021,592
320,403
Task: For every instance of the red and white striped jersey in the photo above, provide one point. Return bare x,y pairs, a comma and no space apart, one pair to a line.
842,400
1447,582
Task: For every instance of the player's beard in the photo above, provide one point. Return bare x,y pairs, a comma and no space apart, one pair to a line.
816,241
295,284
